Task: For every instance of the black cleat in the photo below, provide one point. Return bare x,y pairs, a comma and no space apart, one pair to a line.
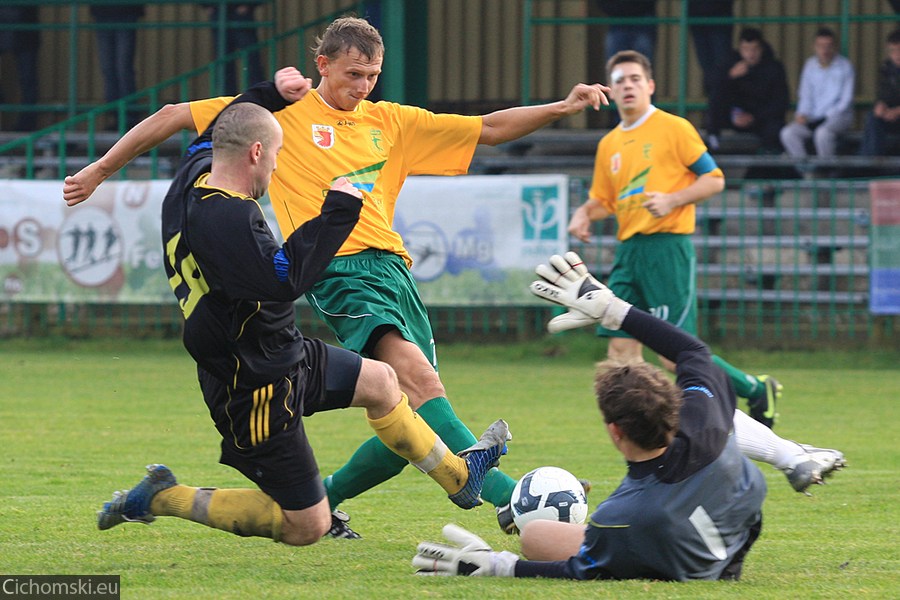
339,528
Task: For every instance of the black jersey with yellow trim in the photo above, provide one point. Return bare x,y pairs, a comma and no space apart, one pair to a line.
235,284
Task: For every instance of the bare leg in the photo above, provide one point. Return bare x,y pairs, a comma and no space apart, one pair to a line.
551,540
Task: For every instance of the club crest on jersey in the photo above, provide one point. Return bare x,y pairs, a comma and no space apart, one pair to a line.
615,162
323,136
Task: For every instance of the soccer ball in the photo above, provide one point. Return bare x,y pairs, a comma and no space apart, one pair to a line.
548,493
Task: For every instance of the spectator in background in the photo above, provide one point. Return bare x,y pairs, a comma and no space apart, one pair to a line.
824,99
750,93
237,36
641,38
116,45
712,43
24,44
885,115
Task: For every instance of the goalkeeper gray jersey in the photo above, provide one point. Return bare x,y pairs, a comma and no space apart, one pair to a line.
688,513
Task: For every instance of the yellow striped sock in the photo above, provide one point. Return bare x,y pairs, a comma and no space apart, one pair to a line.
407,434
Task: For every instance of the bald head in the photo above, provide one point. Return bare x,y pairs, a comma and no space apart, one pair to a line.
246,140
241,125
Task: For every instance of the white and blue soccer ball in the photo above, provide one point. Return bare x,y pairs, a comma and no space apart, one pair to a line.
548,493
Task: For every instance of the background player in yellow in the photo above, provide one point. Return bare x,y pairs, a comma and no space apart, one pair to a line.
367,296
649,173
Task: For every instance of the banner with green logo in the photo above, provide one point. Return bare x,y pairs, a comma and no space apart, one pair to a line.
474,240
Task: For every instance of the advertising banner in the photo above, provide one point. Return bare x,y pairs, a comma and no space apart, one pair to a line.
474,240
884,293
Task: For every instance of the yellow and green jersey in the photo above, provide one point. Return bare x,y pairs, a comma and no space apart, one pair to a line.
375,146
661,152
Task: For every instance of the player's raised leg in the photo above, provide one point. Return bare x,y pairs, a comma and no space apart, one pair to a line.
373,463
803,465
408,435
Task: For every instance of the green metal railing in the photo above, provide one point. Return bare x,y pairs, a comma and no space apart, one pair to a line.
845,17
75,25
778,261
85,125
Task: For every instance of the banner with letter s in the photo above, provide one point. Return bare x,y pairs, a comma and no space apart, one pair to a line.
473,239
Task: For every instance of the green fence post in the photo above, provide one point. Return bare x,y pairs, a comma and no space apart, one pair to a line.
393,25
682,60
73,61
525,83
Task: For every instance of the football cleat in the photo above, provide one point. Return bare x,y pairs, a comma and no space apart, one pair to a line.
480,458
586,485
830,460
339,528
762,406
134,505
505,520
813,467
803,475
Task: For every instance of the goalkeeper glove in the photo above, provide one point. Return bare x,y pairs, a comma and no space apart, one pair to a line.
567,282
470,555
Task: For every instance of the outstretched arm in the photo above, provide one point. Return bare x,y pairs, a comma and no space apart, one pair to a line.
513,123
153,131
146,135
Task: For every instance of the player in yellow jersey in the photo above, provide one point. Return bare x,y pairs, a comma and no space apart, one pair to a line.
367,296
649,173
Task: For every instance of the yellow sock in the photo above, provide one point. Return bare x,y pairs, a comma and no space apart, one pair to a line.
244,512
408,435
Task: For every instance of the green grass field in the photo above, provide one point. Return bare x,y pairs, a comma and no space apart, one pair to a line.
81,419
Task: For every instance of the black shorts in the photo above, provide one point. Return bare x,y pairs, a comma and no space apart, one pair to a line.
262,429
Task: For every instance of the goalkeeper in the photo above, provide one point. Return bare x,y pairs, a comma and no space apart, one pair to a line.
689,506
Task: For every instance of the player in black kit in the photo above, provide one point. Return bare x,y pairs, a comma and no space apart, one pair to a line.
259,376
690,504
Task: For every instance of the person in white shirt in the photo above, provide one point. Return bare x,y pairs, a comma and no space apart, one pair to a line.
824,99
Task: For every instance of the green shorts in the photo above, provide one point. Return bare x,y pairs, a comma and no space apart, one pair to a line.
657,273
369,291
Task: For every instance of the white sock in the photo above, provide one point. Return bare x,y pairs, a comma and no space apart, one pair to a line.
758,442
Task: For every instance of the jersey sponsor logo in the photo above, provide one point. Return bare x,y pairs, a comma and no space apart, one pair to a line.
636,185
364,179
323,136
375,136
615,162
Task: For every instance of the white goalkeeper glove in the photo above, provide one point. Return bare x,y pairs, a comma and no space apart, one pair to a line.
567,282
470,555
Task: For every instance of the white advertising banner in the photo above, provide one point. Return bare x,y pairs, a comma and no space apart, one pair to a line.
474,240
477,239
107,249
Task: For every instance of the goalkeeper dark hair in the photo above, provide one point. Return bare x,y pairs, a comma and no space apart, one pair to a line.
642,400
